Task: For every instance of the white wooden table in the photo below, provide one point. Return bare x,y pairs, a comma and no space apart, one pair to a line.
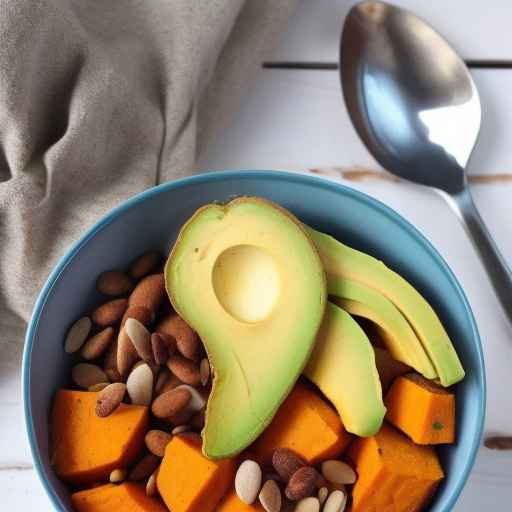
296,120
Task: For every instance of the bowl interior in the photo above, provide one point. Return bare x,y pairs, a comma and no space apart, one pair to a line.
153,219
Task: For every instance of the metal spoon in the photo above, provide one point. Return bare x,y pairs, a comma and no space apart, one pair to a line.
416,107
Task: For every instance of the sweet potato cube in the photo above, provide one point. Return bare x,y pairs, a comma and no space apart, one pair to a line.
421,409
188,481
394,474
305,423
127,497
86,448
232,503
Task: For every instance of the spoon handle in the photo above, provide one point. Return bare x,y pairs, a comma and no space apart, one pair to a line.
497,269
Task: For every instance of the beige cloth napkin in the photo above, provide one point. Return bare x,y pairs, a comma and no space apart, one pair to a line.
98,101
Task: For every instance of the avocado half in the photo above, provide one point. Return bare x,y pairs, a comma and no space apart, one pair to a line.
247,277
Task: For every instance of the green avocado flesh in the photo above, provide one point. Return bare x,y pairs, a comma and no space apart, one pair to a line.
343,367
248,279
401,341
341,261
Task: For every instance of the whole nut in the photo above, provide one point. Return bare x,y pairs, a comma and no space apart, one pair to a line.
248,481
77,334
109,399
286,462
323,492
85,375
170,383
180,429
204,371
149,293
151,487
185,369
142,314
145,264
336,502
338,472
163,375
140,385
186,338
156,442
270,496
144,468
95,346
113,375
114,283
109,313
310,504
127,356
197,402
170,403
110,356
98,387
160,348
140,338
117,476
302,483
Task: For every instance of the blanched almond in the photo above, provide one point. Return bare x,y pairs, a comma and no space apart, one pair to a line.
85,375
323,492
169,404
185,369
248,481
140,338
144,468
114,283
95,346
126,354
140,385
338,472
117,476
110,313
270,496
186,338
197,401
109,399
310,504
204,371
159,348
336,502
151,487
180,429
149,293
145,264
156,442
77,335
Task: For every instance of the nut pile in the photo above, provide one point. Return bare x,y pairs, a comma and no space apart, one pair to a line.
305,488
137,350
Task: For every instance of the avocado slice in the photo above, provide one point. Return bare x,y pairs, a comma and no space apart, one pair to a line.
343,366
247,277
342,261
400,339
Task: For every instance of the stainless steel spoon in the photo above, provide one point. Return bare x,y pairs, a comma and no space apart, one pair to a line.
416,107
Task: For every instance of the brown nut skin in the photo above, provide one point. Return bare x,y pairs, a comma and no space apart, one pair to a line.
145,264
114,283
286,462
149,293
170,403
109,313
187,340
185,369
302,483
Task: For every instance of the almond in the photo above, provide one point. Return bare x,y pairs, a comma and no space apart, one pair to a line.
302,483
163,377
338,472
156,441
149,293
140,385
185,369
248,481
143,315
286,462
180,429
171,382
323,492
126,354
197,421
186,338
140,338
336,502
109,399
170,403
144,468
113,375
308,505
145,264
151,487
160,348
94,347
77,335
197,401
110,356
117,476
85,375
270,496
114,283
98,387
109,313
204,371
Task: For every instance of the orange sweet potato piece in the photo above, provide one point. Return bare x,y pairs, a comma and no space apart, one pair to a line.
86,448
127,497
232,503
305,423
388,367
421,409
394,474
188,481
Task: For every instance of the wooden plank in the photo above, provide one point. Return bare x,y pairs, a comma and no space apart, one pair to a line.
477,30
297,119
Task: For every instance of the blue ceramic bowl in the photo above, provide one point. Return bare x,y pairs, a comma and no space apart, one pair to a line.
153,219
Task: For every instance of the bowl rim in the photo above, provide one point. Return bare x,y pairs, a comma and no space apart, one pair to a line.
215,176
